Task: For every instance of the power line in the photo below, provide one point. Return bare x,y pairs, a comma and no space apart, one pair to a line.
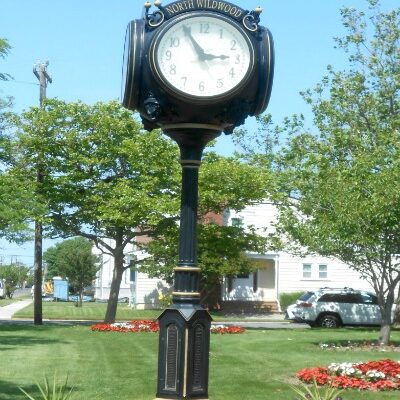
22,82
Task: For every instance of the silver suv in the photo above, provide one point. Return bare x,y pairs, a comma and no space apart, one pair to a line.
332,308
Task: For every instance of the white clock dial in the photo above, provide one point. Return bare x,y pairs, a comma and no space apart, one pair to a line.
203,56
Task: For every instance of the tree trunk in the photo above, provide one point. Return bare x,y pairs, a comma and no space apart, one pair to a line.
386,325
115,286
211,297
80,296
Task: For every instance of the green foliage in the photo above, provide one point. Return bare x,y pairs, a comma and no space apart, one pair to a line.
4,50
316,393
73,259
337,183
55,391
13,275
16,207
286,299
224,183
104,177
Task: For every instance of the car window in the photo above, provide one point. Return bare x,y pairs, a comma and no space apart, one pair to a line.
368,298
331,297
306,296
352,298
341,298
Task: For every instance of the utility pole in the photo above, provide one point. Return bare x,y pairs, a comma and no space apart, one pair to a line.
40,71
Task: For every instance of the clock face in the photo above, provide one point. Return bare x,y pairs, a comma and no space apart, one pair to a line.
202,56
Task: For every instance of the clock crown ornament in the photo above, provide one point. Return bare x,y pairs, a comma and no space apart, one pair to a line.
197,62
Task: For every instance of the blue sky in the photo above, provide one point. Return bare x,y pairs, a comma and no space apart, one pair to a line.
83,42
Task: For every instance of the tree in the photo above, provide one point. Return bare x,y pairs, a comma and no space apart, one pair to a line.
4,50
13,275
105,179
4,102
345,176
16,201
73,259
221,249
111,182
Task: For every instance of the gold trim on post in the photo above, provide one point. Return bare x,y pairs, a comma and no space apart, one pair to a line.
196,294
185,368
193,162
187,269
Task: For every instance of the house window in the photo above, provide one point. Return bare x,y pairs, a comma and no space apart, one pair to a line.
306,271
322,271
237,222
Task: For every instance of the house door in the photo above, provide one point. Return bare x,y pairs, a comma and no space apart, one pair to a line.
266,280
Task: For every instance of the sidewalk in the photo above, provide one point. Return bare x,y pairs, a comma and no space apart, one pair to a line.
7,312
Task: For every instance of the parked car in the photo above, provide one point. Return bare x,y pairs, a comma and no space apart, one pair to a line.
332,308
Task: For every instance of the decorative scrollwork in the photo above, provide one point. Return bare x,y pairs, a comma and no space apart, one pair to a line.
157,17
252,19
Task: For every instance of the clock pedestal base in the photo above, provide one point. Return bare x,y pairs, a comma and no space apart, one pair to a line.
183,353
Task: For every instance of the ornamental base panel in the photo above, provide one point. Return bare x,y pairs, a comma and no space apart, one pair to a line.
183,353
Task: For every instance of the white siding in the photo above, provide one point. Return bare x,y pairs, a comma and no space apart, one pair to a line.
288,268
144,293
339,274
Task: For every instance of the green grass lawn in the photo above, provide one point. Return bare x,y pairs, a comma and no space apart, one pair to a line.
96,311
257,365
89,311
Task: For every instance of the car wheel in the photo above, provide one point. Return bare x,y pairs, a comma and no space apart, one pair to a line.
329,321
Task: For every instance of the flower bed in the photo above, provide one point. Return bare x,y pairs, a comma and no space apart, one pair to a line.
152,326
371,375
131,326
222,329
364,345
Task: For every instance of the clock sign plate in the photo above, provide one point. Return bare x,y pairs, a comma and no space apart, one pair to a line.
223,7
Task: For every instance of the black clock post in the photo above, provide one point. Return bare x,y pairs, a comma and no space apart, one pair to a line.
194,68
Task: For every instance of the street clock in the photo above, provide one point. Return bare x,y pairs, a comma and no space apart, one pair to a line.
198,62
194,68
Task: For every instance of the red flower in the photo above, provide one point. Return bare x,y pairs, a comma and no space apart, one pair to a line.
372,375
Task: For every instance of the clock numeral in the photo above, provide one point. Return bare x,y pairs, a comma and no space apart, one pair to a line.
172,69
204,28
201,86
184,78
237,59
174,42
168,54
232,72
233,45
221,33
220,83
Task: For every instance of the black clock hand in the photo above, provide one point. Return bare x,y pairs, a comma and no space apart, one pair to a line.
199,50
212,56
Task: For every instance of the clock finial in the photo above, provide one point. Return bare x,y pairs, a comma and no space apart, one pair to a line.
258,10
157,3
147,5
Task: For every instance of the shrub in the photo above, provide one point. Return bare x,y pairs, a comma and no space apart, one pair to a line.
286,299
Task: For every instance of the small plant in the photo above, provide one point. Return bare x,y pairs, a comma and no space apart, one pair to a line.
316,393
55,392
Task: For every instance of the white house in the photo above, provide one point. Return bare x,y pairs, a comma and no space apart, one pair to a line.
282,272
278,273
139,290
